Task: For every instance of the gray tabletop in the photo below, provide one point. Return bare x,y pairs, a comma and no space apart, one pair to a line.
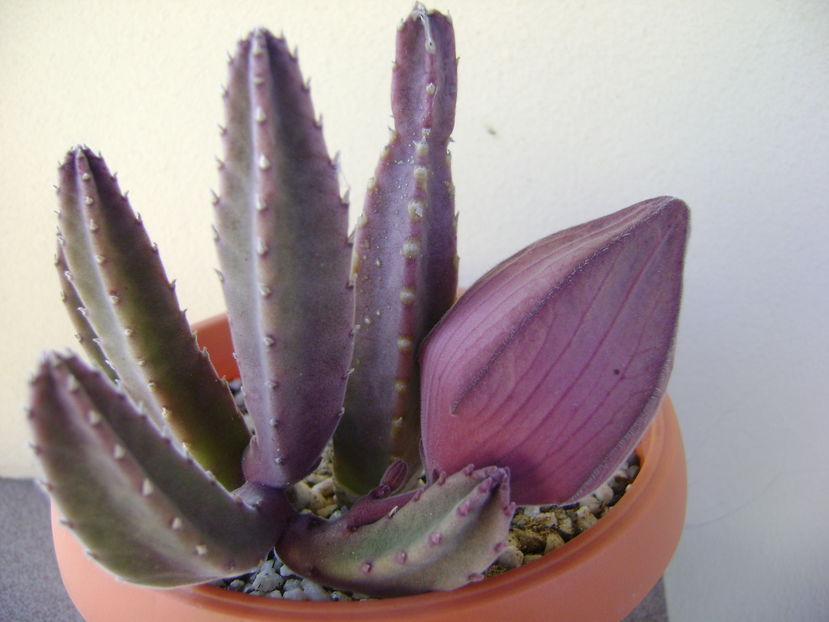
30,586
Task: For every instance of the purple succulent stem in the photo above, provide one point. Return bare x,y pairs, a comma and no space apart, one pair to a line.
127,299
405,261
435,538
555,361
285,259
144,511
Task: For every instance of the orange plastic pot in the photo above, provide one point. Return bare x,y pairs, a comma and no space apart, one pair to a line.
600,575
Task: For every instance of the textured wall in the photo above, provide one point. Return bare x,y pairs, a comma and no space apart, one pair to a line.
567,110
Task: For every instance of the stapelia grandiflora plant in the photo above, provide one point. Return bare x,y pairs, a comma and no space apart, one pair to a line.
531,389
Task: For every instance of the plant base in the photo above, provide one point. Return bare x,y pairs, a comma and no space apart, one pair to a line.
600,575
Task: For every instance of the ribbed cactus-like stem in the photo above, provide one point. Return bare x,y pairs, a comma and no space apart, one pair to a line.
405,260
145,511
437,538
129,303
282,238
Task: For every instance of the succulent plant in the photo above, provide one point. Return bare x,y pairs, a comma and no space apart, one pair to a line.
532,387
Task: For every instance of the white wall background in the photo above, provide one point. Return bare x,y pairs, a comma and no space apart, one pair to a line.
567,110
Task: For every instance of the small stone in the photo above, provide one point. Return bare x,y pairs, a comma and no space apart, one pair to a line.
294,594
604,493
510,557
239,400
553,541
340,596
529,541
314,478
314,591
237,585
565,523
291,584
592,503
495,569
303,497
327,511
267,580
317,499
585,519
324,487
619,474
531,558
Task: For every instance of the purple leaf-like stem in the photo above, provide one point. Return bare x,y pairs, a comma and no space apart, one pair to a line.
555,361
404,258
116,271
145,511
285,260
434,538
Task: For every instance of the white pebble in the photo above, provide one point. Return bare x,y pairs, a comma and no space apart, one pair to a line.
565,524
237,585
592,503
324,487
511,557
291,584
585,518
604,493
340,596
314,591
554,540
327,511
317,499
619,474
303,495
295,594
267,580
